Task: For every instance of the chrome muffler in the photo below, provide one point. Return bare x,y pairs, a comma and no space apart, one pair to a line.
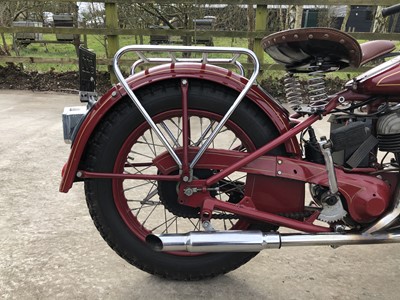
254,241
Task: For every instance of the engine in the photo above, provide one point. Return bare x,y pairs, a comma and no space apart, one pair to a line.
354,145
355,141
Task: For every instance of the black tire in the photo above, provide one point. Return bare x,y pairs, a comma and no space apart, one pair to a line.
124,231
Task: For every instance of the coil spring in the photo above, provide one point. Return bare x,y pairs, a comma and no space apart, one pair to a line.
293,90
317,94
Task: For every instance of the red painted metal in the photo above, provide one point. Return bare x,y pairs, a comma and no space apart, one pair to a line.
185,130
245,208
386,82
392,179
348,95
85,131
86,174
275,195
367,196
264,149
276,113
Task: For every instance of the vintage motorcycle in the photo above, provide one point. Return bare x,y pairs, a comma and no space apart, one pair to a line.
190,167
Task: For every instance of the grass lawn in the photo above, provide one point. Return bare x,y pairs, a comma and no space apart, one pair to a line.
96,44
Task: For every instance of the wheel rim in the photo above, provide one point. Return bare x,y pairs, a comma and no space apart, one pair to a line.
138,202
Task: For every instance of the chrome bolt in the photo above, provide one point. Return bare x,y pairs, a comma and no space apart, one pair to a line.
207,226
184,82
188,192
279,172
279,162
114,94
339,228
79,174
185,178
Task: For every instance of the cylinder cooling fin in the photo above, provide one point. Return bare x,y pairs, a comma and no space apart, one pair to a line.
388,132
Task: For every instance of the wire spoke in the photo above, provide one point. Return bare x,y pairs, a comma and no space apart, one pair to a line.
173,218
142,154
149,145
178,127
137,186
138,171
170,134
146,143
197,225
233,142
171,221
148,216
152,142
205,133
144,206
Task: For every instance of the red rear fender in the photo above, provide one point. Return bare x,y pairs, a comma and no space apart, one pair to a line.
272,109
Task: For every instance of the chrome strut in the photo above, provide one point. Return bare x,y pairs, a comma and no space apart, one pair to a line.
141,49
326,147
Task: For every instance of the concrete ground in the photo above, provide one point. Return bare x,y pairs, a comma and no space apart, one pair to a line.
49,247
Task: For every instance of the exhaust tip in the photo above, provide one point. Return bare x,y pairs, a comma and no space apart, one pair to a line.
154,242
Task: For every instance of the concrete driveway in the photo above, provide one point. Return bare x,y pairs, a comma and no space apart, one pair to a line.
49,247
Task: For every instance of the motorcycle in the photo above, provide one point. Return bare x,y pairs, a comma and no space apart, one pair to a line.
190,167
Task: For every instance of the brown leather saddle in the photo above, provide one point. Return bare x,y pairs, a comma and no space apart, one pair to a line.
321,49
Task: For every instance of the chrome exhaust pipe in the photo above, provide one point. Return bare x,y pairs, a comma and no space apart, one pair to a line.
254,241
217,241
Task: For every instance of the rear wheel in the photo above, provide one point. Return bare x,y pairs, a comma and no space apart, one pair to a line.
126,211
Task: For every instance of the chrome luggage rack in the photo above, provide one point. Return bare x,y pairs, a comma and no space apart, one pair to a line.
145,53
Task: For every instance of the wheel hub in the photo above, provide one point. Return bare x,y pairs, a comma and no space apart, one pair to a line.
167,191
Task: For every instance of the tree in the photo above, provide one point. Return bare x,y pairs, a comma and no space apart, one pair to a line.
12,11
251,19
295,15
346,18
181,16
381,23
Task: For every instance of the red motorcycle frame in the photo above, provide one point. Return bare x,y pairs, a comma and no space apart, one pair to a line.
303,171
369,194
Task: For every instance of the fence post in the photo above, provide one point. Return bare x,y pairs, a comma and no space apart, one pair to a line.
112,39
261,25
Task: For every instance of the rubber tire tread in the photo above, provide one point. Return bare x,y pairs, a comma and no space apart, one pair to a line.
103,144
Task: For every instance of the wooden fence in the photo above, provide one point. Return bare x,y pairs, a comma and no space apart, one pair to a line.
112,30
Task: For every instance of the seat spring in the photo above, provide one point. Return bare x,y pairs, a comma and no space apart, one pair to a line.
317,94
293,90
